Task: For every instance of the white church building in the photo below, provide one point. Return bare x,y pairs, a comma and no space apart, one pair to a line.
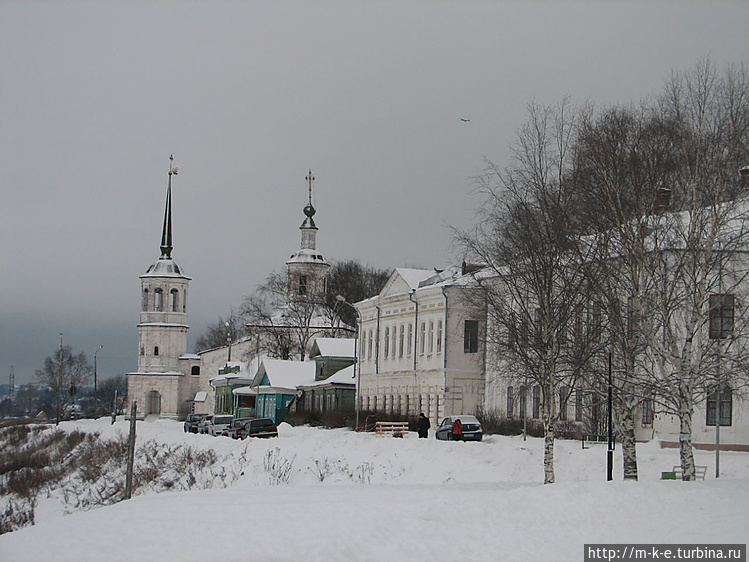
170,382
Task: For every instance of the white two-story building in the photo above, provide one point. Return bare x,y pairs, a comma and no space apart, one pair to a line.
421,345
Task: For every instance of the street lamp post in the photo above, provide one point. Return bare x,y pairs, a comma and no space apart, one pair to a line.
610,450
96,397
357,373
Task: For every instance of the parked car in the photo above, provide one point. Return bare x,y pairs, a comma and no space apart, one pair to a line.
203,424
218,425
260,427
192,421
235,427
471,428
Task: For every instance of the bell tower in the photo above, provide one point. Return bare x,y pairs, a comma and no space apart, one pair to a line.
307,268
162,330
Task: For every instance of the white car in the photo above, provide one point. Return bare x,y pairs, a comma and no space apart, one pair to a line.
219,425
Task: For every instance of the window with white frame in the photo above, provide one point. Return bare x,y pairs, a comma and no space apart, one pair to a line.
720,402
393,344
579,404
422,337
401,337
439,336
430,337
721,316
471,336
386,342
409,339
564,393
647,410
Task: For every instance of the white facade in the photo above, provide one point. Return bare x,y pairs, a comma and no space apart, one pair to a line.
504,396
421,345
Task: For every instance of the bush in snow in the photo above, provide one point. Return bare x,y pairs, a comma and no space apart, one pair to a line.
278,466
17,514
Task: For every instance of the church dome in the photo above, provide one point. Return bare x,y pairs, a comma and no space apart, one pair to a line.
165,268
307,255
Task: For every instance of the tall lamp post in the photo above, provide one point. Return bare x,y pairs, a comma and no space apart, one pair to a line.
610,450
357,375
96,397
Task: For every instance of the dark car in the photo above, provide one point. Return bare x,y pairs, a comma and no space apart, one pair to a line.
260,427
471,430
235,427
192,421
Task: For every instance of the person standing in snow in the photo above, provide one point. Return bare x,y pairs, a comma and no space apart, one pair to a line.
423,425
457,430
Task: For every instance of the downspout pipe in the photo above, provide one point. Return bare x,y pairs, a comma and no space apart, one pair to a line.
377,342
411,295
444,335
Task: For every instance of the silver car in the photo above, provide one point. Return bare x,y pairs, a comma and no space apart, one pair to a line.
219,425
470,431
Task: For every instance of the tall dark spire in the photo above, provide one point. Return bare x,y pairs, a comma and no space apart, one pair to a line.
166,233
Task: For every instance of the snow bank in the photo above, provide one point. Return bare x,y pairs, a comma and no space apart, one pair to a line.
362,497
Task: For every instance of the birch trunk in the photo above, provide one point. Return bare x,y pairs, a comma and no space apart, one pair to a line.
549,451
685,441
629,445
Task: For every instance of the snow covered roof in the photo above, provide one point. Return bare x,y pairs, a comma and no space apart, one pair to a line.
413,277
246,373
165,267
344,376
307,256
286,316
286,374
333,347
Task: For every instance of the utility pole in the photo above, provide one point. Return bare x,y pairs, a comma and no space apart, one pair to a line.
131,452
96,398
357,375
60,390
11,389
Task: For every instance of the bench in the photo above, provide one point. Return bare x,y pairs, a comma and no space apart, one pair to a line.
595,438
396,429
676,473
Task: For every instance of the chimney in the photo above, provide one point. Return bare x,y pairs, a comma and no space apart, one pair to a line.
469,268
744,174
662,200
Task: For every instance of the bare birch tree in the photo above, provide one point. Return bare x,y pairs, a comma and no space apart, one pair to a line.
63,373
700,245
622,167
526,233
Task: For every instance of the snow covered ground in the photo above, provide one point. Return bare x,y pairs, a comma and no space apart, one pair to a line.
358,497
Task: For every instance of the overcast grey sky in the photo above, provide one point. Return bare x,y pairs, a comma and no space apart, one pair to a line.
95,96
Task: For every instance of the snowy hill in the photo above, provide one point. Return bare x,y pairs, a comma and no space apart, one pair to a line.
315,494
